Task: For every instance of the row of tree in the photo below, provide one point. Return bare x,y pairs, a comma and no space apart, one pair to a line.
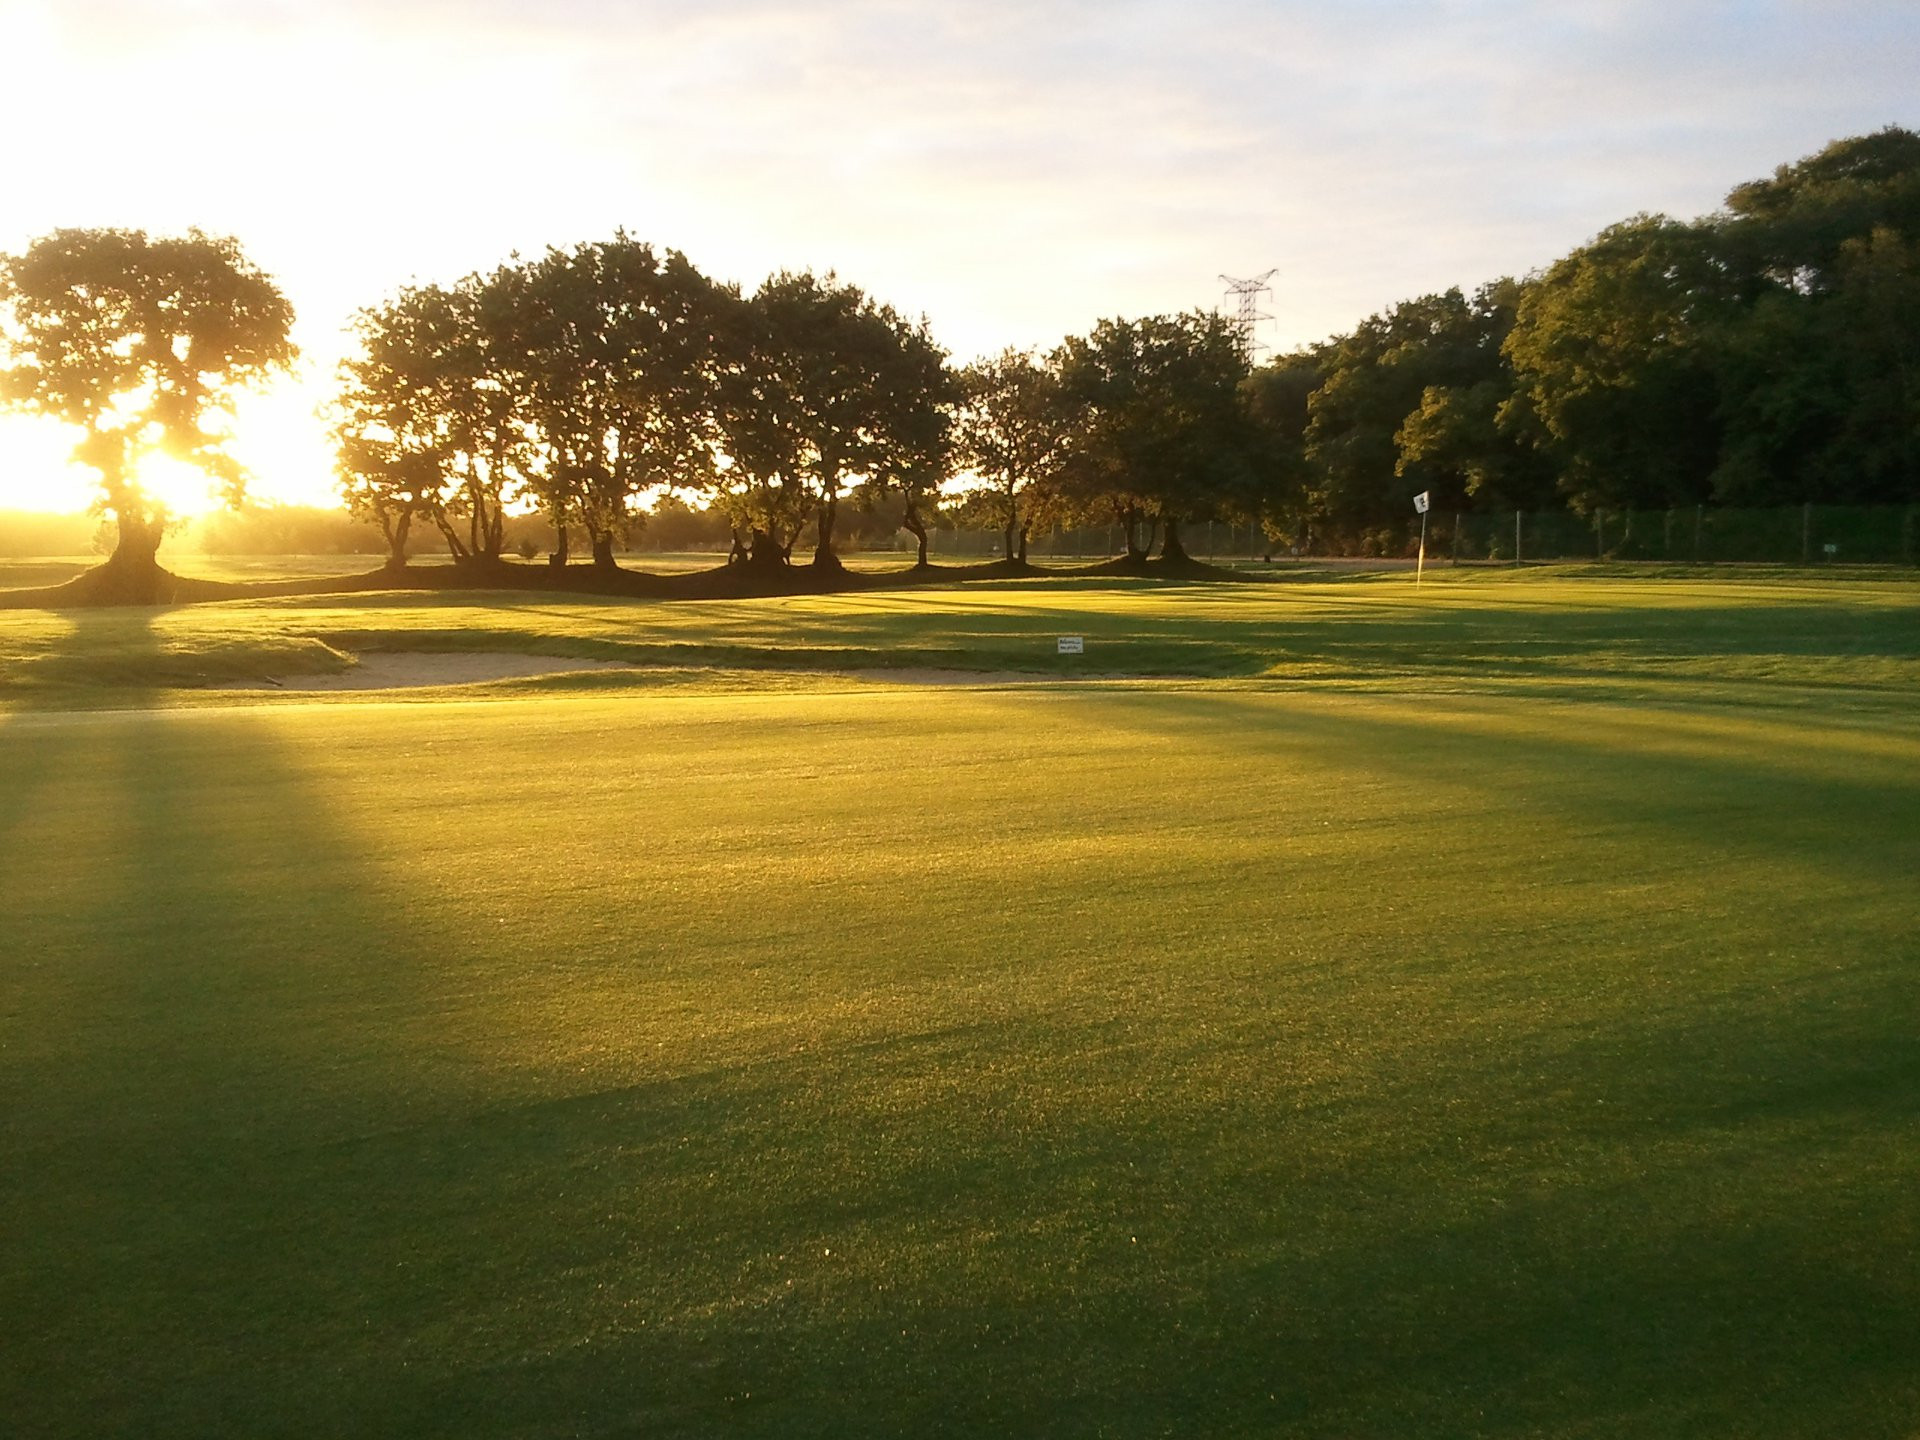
1768,353
591,381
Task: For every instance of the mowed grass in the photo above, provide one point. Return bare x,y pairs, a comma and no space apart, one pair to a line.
1517,1043
1768,639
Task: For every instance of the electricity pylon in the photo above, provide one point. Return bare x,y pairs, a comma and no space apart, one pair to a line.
1247,311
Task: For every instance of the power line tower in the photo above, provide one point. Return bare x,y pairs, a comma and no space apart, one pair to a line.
1247,312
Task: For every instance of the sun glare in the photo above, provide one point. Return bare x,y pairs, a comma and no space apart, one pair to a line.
184,489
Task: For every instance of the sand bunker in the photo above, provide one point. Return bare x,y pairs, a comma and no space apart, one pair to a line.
923,675
410,669
415,670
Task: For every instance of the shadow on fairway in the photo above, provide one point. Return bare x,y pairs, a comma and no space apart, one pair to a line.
276,1162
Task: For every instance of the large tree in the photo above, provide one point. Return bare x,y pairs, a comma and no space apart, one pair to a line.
1820,372
1404,381
612,348
1015,432
819,388
430,422
1167,435
143,343
1613,351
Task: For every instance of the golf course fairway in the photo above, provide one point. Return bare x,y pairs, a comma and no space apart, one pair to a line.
1329,1012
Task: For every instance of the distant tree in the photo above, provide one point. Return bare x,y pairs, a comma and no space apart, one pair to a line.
819,388
430,421
140,342
1015,430
611,348
673,524
1166,436
1276,397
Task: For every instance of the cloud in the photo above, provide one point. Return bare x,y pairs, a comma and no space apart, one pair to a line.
1017,171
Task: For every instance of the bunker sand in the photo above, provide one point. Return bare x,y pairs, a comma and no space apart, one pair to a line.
415,669
405,670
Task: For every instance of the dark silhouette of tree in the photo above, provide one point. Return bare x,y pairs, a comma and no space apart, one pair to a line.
612,350
819,387
143,343
430,424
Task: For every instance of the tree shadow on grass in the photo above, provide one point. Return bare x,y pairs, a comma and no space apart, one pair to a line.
262,1178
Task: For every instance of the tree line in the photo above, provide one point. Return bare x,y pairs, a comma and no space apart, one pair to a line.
589,382
1765,354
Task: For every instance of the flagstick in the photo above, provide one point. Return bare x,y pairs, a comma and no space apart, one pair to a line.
1420,565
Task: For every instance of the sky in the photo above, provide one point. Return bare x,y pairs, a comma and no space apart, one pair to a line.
1013,171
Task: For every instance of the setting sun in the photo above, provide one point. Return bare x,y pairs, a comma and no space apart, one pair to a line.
185,490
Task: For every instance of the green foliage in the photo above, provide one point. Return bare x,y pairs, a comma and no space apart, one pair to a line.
139,342
1611,351
821,387
1792,230
1016,430
1166,435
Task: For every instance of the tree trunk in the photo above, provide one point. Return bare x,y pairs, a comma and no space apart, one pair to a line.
397,539
603,550
1022,556
766,552
1170,546
823,555
1013,521
1135,550
132,574
561,551
138,545
915,526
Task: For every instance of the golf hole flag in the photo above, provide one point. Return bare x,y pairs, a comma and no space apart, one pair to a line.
1420,502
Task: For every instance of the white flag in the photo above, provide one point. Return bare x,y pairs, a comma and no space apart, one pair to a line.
1420,502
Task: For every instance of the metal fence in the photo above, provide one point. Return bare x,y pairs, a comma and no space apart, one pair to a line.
1791,535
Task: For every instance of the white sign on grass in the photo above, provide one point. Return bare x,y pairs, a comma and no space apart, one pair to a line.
1073,645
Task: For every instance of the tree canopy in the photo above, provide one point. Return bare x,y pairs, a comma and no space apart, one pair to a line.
1764,354
143,343
1166,436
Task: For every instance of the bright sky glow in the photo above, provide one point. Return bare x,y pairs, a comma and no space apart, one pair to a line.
1013,171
